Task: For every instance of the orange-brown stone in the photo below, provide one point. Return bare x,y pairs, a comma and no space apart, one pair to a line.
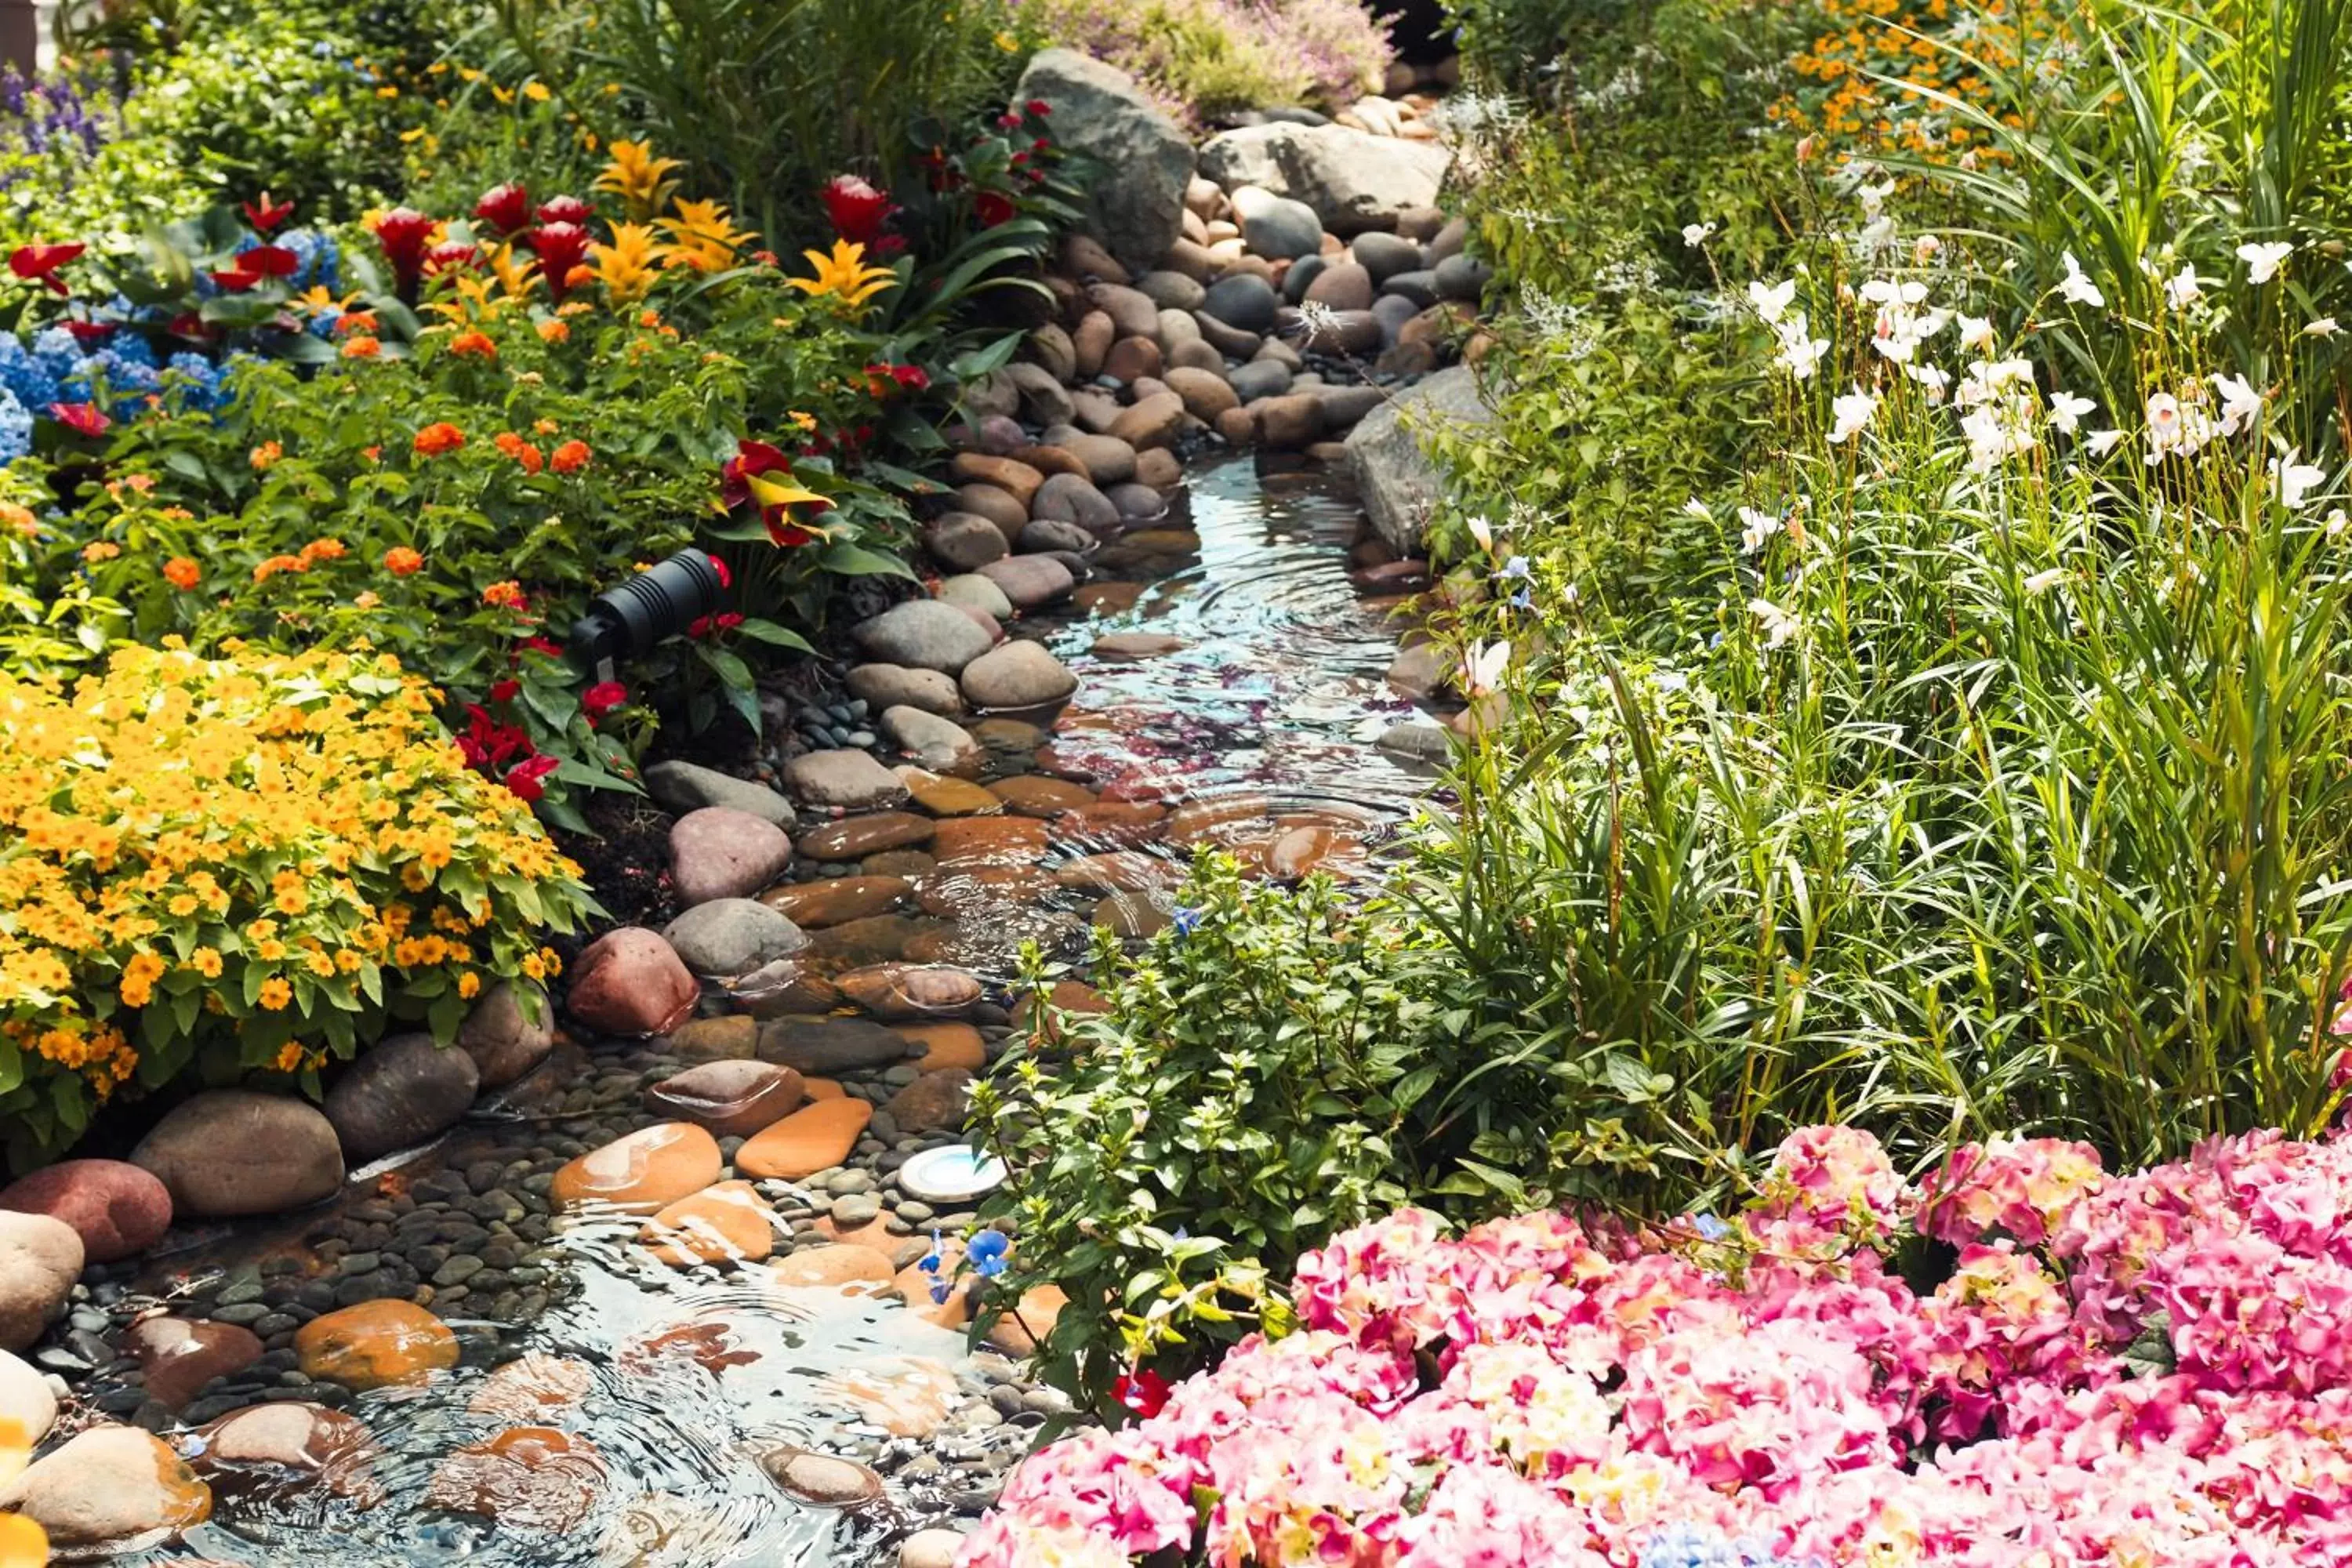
267,1445
944,797
910,991
946,1045
730,1222
963,841
967,890
1017,479
854,838
1034,794
1114,822
908,1398
534,1477
836,898
1303,850
375,1344
836,1265
731,1098
1215,821
821,1088
650,1167
814,1138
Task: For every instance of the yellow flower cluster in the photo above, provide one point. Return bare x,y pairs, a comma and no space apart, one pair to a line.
213,856
1930,44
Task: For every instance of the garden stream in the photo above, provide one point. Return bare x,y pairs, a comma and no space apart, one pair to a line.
647,1395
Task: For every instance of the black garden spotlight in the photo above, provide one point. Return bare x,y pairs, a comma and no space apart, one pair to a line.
659,602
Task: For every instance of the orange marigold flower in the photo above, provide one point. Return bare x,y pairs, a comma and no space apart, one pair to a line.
361,347
438,438
570,458
356,322
507,441
265,457
181,573
508,595
555,331
475,345
402,561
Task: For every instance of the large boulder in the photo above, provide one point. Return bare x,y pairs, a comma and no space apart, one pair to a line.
629,982
114,1206
1353,181
732,936
1393,473
510,1032
925,634
40,1258
404,1090
111,1489
718,852
231,1152
1138,210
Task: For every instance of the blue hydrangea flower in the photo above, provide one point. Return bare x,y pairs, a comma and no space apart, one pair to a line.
15,429
33,383
322,258
1709,1227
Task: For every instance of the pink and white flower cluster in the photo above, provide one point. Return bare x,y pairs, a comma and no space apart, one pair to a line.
2151,1371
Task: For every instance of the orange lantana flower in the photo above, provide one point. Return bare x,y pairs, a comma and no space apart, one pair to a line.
505,596
570,458
438,438
402,561
475,343
361,347
181,573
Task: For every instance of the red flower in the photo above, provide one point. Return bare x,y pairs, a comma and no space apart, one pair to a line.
270,262
264,215
993,208
505,690
188,324
486,743
403,232
90,332
524,776
540,644
711,625
235,279
504,207
562,246
449,256
1144,1392
565,209
1038,109
750,458
858,210
81,418
913,377
602,698
40,263
1008,123
727,580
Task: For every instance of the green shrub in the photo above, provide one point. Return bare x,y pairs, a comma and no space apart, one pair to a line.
1207,59
222,868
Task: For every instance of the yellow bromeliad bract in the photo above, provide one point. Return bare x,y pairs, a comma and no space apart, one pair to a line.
246,862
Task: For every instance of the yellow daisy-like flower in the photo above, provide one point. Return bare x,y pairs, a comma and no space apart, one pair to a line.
844,275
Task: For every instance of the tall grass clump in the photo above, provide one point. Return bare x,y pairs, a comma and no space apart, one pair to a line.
769,99
1203,59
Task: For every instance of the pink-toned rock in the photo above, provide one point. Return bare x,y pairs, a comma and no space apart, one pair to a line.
1091,342
720,852
730,1098
114,1206
377,1344
178,1356
630,981
1150,422
650,1167
288,1441
1205,393
911,993
817,1137
528,1478
533,1387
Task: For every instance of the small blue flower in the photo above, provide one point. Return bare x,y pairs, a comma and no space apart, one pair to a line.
1186,922
1517,568
1710,1227
986,1253
931,1263
1525,599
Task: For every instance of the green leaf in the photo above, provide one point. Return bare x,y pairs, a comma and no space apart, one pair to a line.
855,561
769,632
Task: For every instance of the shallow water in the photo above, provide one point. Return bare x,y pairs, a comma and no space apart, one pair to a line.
678,1379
